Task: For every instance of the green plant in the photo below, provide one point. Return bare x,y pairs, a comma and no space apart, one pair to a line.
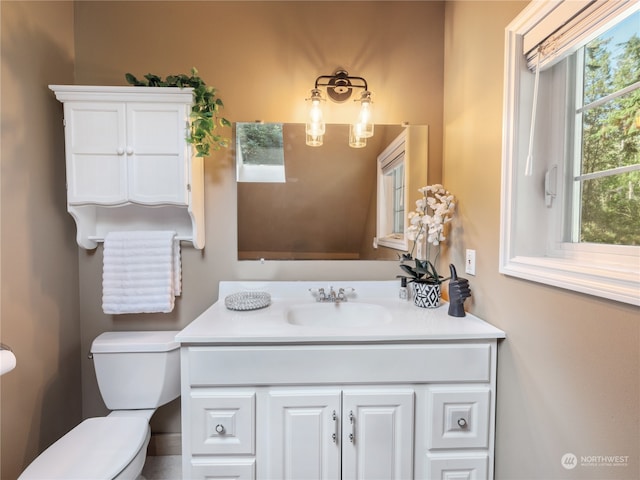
422,271
205,109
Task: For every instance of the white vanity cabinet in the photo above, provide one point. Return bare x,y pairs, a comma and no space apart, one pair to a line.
399,410
408,394
128,163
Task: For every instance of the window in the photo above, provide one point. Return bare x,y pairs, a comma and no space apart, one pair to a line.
575,222
606,178
392,195
259,153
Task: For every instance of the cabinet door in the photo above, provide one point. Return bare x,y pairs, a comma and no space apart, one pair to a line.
303,434
95,150
157,153
377,433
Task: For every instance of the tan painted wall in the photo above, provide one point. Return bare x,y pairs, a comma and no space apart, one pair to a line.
264,58
568,372
41,399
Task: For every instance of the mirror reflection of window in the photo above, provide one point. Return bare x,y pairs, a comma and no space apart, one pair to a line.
398,199
393,185
392,195
259,153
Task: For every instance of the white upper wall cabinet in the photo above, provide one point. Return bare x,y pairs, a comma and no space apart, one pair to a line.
126,151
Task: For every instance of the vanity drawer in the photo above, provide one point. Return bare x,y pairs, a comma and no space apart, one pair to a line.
232,468
458,466
459,417
331,364
222,421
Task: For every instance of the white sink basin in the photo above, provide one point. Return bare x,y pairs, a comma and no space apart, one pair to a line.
337,315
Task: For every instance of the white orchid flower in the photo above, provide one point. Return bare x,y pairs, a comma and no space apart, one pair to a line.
433,211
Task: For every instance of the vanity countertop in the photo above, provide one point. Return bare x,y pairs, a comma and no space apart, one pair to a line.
404,322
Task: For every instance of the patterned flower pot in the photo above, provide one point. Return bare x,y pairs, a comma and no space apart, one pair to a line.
426,295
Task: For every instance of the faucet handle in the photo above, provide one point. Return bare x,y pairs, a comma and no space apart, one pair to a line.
344,292
318,294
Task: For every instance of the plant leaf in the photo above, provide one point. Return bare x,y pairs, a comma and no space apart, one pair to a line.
409,270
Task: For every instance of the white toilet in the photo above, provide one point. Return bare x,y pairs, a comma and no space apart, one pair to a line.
137,372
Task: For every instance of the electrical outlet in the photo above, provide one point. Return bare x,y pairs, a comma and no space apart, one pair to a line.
470,263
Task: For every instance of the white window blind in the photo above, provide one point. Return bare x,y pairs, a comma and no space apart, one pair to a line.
396,158
580,21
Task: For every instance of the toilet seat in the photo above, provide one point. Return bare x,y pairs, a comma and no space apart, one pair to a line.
98,448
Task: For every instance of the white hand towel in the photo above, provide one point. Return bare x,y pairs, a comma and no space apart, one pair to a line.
141,272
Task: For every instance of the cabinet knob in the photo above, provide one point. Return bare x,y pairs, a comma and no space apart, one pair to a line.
120,151
129,150
220,429
462,423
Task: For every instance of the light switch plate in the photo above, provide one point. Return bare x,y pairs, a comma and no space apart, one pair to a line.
470,262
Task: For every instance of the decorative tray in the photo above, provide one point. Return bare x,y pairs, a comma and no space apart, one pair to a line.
247,300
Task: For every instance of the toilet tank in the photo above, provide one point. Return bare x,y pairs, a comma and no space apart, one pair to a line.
137,370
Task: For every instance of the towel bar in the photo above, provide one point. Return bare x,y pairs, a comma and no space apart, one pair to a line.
182,238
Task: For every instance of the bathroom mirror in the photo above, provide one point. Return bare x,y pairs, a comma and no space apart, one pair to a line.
324,205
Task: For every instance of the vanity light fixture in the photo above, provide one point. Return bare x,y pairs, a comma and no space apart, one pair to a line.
315,122
355,139
339,87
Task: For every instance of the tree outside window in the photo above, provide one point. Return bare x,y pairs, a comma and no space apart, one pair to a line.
609,175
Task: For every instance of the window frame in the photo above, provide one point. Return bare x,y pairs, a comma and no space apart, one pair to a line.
257,173
608,271
391,157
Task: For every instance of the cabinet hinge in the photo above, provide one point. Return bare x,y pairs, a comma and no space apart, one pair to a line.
64,122
188,187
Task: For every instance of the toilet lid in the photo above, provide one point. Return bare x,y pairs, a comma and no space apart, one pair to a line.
151,341
98,448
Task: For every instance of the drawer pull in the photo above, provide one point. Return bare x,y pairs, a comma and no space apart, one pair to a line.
220,429
462,423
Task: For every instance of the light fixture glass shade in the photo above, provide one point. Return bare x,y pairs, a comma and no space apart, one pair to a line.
315,121
355,140
314,140
365,118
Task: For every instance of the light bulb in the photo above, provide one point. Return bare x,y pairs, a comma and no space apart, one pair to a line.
314,140
356,140
365,118
315,121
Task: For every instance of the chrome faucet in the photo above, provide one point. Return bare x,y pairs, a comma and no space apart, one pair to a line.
331,297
